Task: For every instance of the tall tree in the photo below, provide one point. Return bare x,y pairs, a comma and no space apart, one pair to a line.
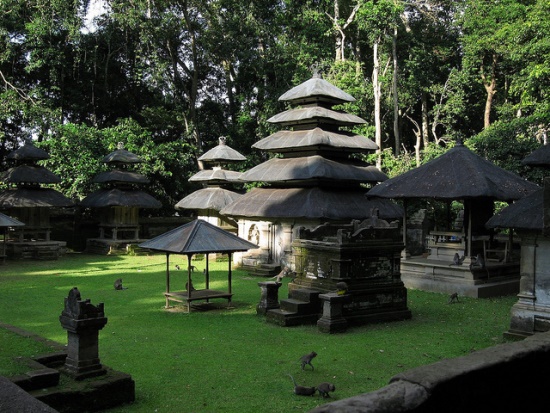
489,29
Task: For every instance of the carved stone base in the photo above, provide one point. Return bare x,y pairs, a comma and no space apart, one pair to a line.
269,298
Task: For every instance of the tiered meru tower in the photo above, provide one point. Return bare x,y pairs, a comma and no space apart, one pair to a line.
27,200
218,186
118,202
314,180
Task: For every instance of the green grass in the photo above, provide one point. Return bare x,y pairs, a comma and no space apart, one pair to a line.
230,360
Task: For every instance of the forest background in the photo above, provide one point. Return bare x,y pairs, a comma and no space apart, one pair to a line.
169,77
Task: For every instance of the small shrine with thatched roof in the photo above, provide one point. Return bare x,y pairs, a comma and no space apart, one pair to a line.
529,217
217,191
469,258
311,177
27,200
118,203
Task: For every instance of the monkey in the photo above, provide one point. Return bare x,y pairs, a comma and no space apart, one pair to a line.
282,274
193,268
324,388
177,267
189,286
453,297
118,285
302,390
478,262
457,260
306,359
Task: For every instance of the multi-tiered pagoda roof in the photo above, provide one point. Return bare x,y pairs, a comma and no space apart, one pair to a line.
313,176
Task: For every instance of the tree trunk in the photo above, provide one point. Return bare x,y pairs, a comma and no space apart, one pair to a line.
491,88
376,87
396,131
425,126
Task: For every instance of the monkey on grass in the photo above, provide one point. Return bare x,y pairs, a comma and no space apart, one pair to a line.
306,359
453,297
302,390
118,284
324,389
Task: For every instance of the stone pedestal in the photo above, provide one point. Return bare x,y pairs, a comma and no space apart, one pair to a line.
269,298
332,320
82,321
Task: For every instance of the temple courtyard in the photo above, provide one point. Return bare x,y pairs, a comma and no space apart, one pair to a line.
228,358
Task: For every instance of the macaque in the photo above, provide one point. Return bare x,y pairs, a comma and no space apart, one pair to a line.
306,359
457,259
118,285
325,388
478,262
453,297
302,390
284,272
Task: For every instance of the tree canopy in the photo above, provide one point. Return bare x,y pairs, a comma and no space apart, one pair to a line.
169,77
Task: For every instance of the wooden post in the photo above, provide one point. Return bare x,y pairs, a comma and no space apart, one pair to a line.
468,251
207,273
229,273
167,305
189,282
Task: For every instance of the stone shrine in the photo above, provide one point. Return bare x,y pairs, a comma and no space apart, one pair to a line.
117,203
363,257
29,199
82,320
529,217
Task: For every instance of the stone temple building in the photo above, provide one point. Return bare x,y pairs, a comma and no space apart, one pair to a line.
529,218
217,191
311,178
117,203
30,199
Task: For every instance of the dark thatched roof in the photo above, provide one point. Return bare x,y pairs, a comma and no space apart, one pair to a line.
316,89
315,114
457,174
6,221
309,203
33,197
314,138
216,175
526,213
208,198
121,156
29,174
539,157
222,153
198,237
120,197
312,168
121,176
28,152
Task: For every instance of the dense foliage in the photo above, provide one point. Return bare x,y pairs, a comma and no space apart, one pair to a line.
169,77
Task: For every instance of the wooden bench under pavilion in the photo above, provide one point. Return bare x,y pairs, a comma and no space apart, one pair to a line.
197,237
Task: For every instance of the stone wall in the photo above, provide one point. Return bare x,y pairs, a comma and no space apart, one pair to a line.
507,377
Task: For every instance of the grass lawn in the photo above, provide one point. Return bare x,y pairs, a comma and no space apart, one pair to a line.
229,360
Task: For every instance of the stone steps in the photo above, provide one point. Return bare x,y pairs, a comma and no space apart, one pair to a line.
301,308
264,270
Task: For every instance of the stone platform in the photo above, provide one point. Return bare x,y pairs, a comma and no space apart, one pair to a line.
440,276
105,246
41,250
46,384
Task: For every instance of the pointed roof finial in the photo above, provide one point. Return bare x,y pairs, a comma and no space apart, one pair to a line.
316,70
